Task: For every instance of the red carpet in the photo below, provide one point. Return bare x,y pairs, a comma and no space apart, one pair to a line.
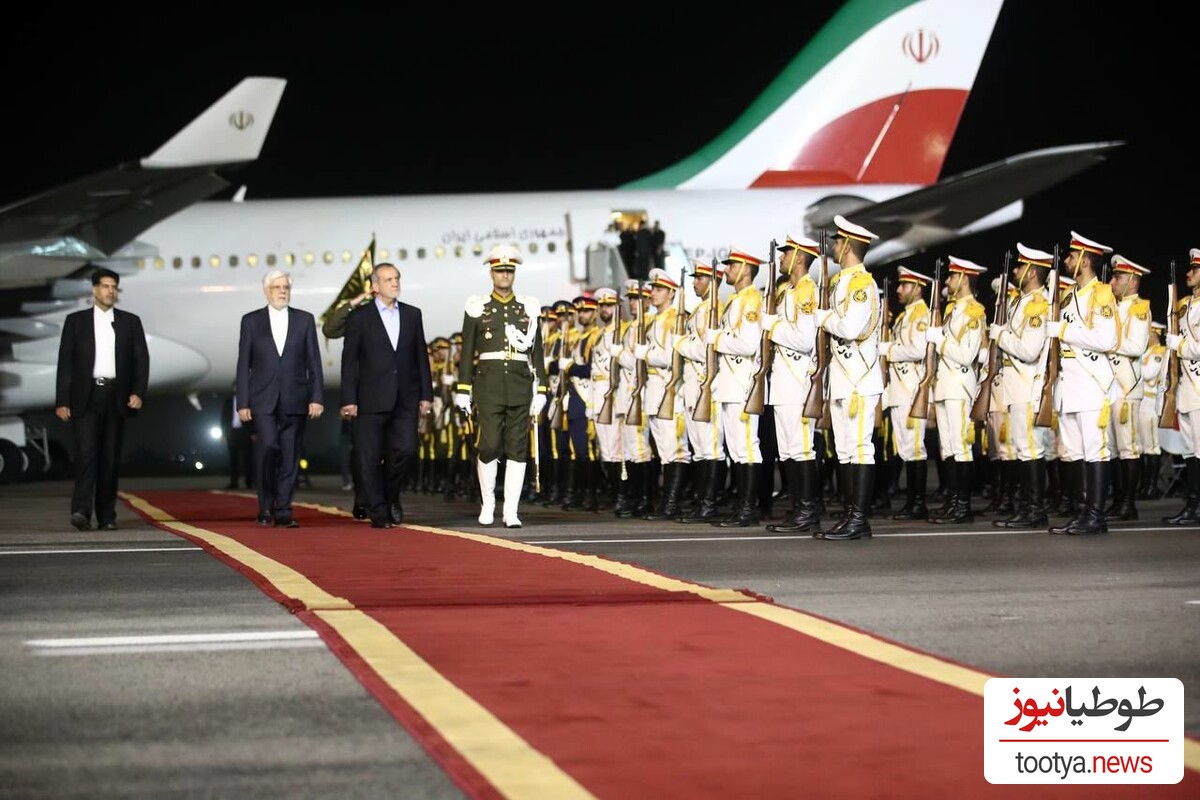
531,672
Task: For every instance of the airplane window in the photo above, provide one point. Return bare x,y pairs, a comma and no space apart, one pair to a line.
383,254
252,260
402,253
270,259
158,263
327,257
550,247
346,256
195,262
458,251
214,261
176,262
533,247
141,263
309,258
439,252
477,249
420,252
233,261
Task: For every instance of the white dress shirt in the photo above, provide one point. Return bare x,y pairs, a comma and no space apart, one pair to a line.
105,365
279,326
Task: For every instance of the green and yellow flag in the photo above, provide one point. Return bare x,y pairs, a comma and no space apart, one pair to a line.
358,282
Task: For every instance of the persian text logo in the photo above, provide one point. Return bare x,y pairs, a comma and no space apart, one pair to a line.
1083,730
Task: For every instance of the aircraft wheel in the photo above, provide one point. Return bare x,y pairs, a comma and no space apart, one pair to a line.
12,461
36,465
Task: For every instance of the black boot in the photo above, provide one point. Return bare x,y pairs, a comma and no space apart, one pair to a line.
674,475
623,505
590,475
856,524
948,475
960,507
1033,513
746,515
1001,497
802,483
917,476
570,468
1189,516
791,487
1092,522
1126,473
707,511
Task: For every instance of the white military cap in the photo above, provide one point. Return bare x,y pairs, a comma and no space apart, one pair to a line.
660,277
704,269
801,243
1122,264
1088,246
848,230
964,266
1194,257
1031,255
606,296
502,256
912,276
632,287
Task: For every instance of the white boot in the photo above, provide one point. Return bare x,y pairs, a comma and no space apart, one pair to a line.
487,488
514,483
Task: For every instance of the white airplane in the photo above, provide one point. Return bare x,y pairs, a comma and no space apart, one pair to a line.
859,123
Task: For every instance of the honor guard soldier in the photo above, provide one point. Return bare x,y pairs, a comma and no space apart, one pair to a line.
557,346
544,486
1086,388
509,384
603,363
1022,344
905,355
956,384
737,340
855,381
1186,346
1001,450
670,438
704,437
576,369
636,452
1133,318
793,331
1154,373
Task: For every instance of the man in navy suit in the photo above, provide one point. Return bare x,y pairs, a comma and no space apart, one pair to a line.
386,385
103,369
280,383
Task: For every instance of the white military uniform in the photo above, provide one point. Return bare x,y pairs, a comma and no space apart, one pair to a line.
1187,398
635,436
1086,386
792,365
670,437
957,382
1133,315
906,370
608,437
703,437
1154,372
1000,432
1023,345
738,341
855,381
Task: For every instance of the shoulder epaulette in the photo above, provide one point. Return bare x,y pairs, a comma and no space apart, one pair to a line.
861,280
474,305
975,309
1182,304
1102,295
1140,308
1037,306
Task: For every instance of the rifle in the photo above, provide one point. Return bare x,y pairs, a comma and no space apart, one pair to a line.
1045,415
756,402
634,415
983,401
815,406
614,372
703,412
557,419
886,320
666,409
1167,418
920,406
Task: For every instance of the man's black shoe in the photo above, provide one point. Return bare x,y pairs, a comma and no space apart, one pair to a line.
286,522
397,513
382,523
108,526
80,522
264,519
359,512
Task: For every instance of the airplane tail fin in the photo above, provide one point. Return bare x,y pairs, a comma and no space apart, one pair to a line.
229,131
875,97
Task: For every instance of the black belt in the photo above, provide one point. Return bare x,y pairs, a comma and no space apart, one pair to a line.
103,381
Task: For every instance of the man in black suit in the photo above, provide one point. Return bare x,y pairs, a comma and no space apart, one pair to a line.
386,386
103,369
279,384
239,442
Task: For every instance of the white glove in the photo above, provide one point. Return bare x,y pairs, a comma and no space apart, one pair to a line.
564,364
822,314
1173,340
1053,330
885,348
462,401
449,380
769,321
640,350
589,412
539,402
934,335
994,331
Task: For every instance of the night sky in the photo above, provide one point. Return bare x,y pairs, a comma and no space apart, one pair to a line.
378,104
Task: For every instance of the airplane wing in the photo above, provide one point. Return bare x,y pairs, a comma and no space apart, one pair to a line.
51,234
913,220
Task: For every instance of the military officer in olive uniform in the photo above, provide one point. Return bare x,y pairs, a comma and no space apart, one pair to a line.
508,385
